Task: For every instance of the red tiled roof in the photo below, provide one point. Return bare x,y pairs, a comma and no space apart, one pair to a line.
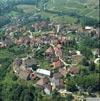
48,86
57,75
33,76
42,81
57,64
59,46
50,50
58,51
19,41
74,70
62,71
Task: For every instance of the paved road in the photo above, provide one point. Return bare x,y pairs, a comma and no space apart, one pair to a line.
60,57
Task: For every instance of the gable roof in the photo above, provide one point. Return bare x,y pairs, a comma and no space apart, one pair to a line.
30,61
43,71
48,86
42,81
58,83
73,70
57,75
57,64
50,50
62,71
59,46
23,74
58,51
33,76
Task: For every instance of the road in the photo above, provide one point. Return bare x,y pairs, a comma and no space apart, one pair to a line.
96,60
60,57
65,91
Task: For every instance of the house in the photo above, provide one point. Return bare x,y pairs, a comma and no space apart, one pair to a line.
74,70
48,89
76,58
62,71
59,46
2,45
57,75
19,41
42,81
58,51
49,51
59,83
18,62
23,74
8,41
33,76
96,52
16,65
57,64
88,29
30,61
43,72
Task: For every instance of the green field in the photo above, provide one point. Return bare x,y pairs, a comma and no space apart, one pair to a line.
88,7
27,8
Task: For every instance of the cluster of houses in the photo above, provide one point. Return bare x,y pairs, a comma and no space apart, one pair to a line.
28,69
49,37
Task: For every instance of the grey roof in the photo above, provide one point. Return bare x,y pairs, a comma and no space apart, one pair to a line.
57,75
24,74
30,62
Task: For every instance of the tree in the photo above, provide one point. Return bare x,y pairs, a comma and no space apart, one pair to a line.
71,86
27,98
86,51
92,66
69,97
88,82
85,62
14,78
56,96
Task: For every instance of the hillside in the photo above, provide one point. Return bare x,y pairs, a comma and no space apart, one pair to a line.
82,7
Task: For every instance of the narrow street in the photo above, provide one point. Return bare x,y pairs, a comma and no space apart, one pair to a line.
81,98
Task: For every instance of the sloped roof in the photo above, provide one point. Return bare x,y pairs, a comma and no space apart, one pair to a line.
43,71
24,74
42,81
62,71
50,50
74,70
57,75
57,64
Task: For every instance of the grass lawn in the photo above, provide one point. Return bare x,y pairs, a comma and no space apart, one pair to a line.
27,8
94,14
44,64
64,19
13,14
5,54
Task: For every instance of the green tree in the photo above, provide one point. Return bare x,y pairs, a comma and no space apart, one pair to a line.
92,66
69,97
86,51
71,86
85,62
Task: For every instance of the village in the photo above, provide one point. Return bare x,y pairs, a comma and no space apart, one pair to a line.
49,50
53,42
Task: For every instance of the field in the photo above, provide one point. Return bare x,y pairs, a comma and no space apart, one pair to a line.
27,8
88,7
79,7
